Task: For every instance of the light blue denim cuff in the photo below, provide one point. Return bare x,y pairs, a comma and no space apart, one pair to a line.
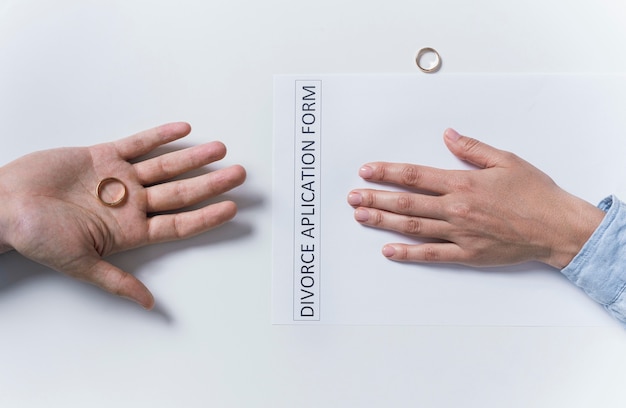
600,267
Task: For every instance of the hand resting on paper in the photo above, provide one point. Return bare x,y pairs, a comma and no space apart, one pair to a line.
504,212
69,208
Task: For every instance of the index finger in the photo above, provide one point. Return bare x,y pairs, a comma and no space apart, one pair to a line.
408,175
146,141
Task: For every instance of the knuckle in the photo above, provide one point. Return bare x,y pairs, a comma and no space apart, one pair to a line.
471,144
405,203
402,253
163,167
178,228
509,156
460,211
180,189
217,181
460,183
181,194
376,218
413,226
381,171
430,253
138,144
368,199
410,176
120,287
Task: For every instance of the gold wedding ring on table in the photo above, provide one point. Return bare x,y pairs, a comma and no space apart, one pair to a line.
434,66
119,196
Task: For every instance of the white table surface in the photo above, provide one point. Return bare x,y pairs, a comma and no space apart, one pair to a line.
82,72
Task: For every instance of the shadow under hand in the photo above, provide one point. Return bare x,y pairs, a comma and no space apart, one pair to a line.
517,269
17,270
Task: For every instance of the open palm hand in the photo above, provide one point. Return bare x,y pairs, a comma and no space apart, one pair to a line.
54,215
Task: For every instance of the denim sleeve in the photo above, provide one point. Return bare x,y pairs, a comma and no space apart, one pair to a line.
600,267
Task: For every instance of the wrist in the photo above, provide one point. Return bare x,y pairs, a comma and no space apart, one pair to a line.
573,225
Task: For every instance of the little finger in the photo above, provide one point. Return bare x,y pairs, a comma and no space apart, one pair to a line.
445,252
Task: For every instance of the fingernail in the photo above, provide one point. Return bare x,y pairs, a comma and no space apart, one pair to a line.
366,172
389,251
354,199
361,215
452,135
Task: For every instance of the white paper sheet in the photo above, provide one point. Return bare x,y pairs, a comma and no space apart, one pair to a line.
328,269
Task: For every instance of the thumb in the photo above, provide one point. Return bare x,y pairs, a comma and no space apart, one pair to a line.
471,150
120,283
